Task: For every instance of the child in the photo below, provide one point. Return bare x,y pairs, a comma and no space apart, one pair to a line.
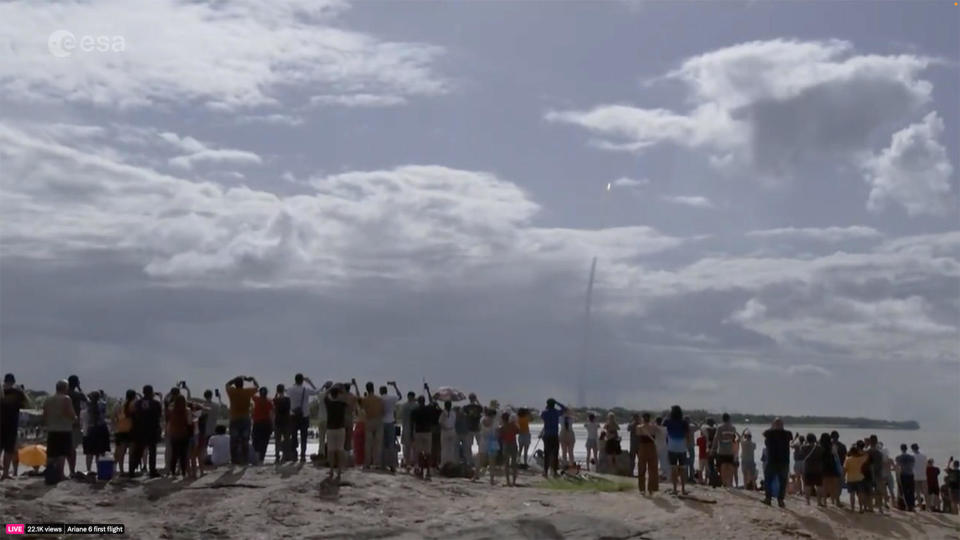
220,445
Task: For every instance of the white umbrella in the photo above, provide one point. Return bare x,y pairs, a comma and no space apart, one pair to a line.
448,393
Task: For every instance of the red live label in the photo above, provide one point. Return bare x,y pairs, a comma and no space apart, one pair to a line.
15,528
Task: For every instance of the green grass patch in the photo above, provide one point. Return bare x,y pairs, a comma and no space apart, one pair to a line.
589,484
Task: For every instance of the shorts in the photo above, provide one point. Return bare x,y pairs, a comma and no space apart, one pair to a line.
335,439
8,439
524,439
591,444
510,450
722,459
933,490
59,444
812,479
96,441
855,487
678,459
749,467
613,446
122,437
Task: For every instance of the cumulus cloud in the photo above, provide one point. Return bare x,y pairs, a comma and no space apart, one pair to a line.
226,55
633,183
776,108
695,201
914,171
197,153
824,234
358,100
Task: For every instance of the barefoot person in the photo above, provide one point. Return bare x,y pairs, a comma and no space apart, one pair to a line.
812,469
300,397
853,472
523,437
776,441
180,429
678,433
96,440
79,401
262,424
336,404
389,459
723,447
448,434
748,463
123,429
647,460
240,399
12,400
567,441
593,435
59,418
281,426
830,485
474,413
551,435
372,406
147,416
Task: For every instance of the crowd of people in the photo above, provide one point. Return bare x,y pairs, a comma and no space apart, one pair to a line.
437,435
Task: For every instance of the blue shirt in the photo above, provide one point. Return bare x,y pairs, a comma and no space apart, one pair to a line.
551,420
676,435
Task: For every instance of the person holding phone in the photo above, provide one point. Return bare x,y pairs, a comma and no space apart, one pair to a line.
240,400
300,397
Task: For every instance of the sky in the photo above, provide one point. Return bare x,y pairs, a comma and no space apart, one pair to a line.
409,190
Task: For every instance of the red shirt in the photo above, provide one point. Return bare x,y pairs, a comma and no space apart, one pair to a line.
508,433
262,407
702,446
933,474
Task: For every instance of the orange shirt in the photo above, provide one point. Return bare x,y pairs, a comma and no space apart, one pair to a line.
262,407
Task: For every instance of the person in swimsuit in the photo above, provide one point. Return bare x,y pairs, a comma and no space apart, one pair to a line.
748,462
567,441
647,434
523,438
508,442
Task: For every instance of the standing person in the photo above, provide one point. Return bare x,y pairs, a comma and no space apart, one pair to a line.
776,441
647,434
632,434
748,462
906,464
796,479
713,475
813,469
123,429
79,400
662,449
551,435
491,442
373,429
933,486
853,468
703,457
389,459
421,419
351,400
96,441
953,483
523,437
448,434
723,446
567,440
147,416
508,442
300,408
59,417
678,433
282,423
240,399
612,441
593,435
12,399
840,455
359,437
875,479
180,429
474,412
406,433
336,405
920,474
262,424
207,425
691,449
830,486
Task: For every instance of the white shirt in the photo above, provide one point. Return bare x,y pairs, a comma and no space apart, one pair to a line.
300,394
920,466
448,420
221,449
592,428
389,406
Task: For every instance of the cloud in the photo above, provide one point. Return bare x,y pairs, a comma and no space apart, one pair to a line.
198,153
808,369
358,100
774,109
633,183
695,201
824,234
228,56
914,171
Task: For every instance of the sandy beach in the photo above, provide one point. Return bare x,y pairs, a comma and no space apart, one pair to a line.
295,502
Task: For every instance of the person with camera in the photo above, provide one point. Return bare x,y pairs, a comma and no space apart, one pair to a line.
389,459
300,397
240,400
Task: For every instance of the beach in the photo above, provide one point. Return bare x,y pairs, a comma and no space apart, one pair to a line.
295,501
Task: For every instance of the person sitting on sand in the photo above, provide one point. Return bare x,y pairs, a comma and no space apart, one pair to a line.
336,405
262,424
567,441
592,427
853,471
551,435
678,431
523,437
647,464
508,443
219,444
12,399
776,441
240,399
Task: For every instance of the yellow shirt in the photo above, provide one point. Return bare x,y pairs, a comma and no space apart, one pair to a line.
852,467
240,401
524,423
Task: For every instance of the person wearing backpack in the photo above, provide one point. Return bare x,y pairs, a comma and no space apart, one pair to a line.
723,448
